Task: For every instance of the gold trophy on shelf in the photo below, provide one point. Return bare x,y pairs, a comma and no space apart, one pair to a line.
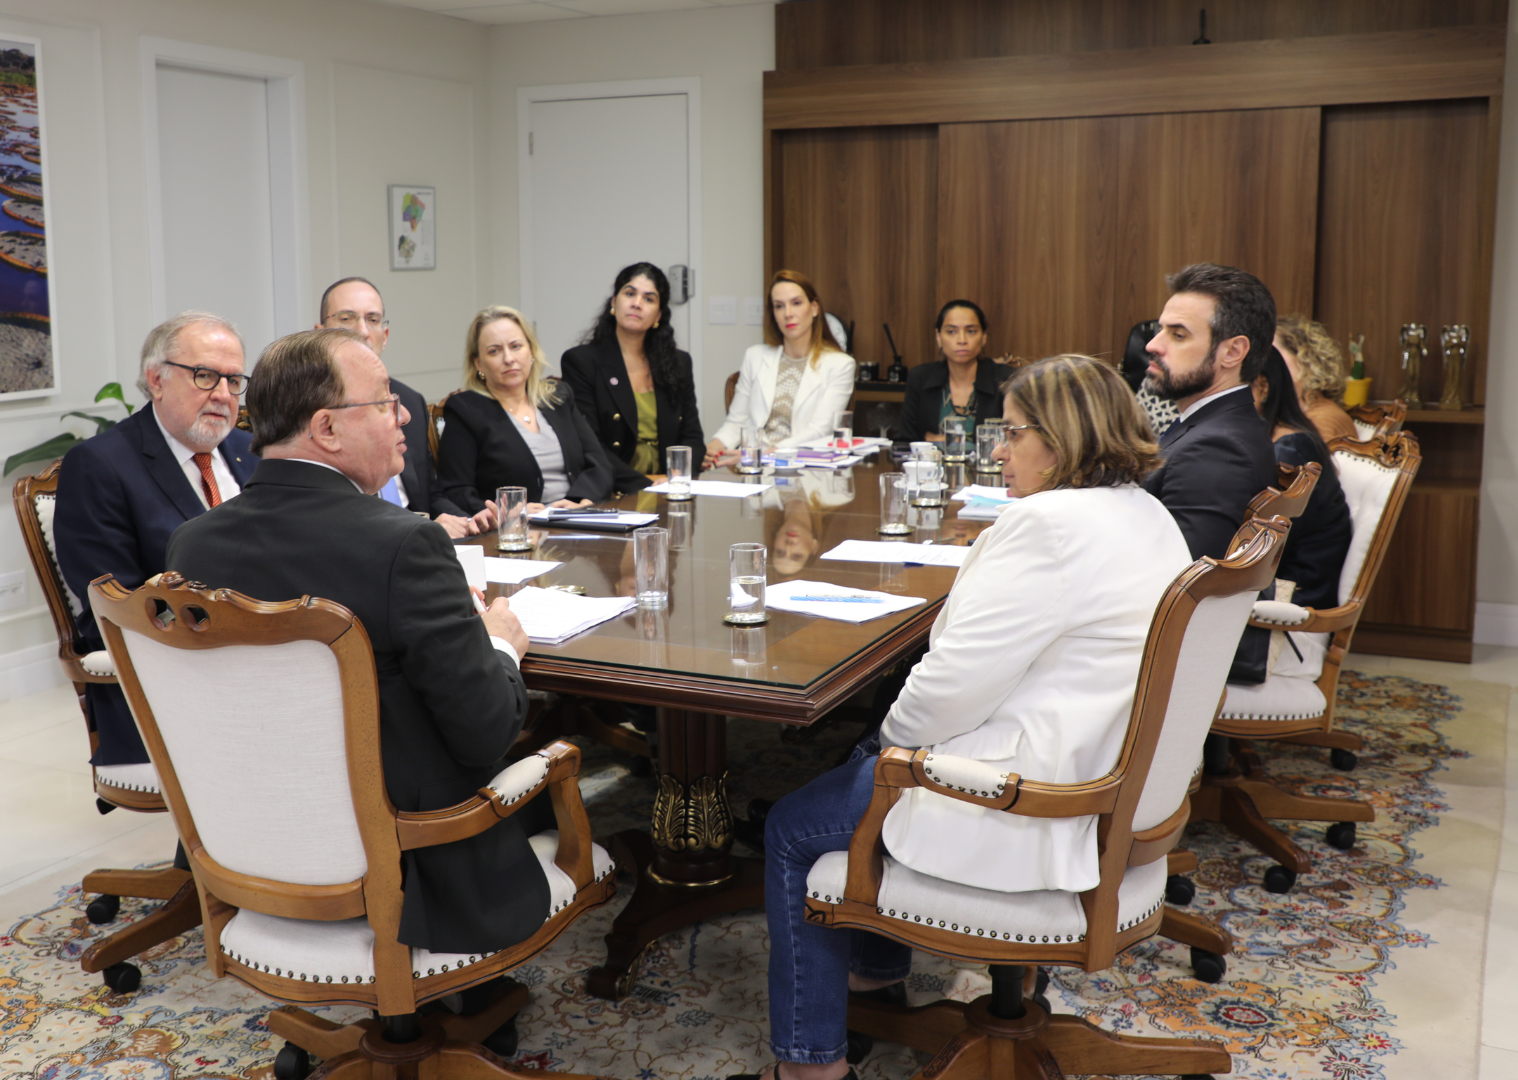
1414,351
1454,340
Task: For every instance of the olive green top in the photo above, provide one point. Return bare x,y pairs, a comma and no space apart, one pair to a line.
646,455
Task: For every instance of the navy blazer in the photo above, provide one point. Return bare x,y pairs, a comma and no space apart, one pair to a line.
482,450
419,477
121,495
1216,460
604,393
923,400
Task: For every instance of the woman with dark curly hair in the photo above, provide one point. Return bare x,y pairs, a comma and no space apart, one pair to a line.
632,384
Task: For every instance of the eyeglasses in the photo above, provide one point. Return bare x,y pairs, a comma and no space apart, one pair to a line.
350,319
391,404
1009,432
207,378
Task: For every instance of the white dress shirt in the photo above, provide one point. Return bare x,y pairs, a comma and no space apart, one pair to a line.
226,484
1208,400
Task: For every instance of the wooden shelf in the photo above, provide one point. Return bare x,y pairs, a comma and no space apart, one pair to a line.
1471,414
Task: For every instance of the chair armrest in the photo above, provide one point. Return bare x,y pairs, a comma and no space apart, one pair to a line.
1275,615
502,797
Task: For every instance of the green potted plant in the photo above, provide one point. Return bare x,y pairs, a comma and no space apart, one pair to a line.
58,445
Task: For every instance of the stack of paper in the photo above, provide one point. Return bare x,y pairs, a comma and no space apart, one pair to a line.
516,571
836,602
729,489
971,492
899,551
618,522
550,617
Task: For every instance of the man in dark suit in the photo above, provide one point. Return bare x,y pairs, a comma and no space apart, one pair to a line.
452,700
353,303
122,493
1214,333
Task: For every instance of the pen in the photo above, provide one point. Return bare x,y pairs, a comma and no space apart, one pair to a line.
479,605
565,513
845,599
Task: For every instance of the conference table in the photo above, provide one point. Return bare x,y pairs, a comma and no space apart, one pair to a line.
697,671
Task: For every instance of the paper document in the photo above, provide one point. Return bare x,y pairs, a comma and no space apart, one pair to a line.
899,551
515,571
979,509
550,617
982,491
618,521
860,444
725,488
852,605
841,463
472,558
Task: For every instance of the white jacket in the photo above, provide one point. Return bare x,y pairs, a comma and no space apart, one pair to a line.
824,391
1031,667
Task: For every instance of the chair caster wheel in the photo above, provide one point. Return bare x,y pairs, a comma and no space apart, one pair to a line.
122,978
1343,760
1179,890
1209,967
103,908
503,1040
860,1046
1341,834
1278,879
104,807
292,1063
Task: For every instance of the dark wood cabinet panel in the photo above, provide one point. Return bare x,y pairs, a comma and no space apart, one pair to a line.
1404,233
1427,580
855,210
1236,188
1026,228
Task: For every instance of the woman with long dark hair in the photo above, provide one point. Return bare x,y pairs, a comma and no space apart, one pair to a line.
631,382
962,382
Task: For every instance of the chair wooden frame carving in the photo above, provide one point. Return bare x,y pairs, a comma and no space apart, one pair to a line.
981,1039
180,912
1247,800
729,389
1384,419
185,615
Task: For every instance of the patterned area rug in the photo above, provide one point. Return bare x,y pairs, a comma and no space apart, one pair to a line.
1299,999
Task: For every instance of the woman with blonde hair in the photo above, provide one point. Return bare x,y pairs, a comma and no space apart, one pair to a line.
790,388
1317,369
1030,668
512,425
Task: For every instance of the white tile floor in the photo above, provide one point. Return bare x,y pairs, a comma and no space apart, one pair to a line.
49,827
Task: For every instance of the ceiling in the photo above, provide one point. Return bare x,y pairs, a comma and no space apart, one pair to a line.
500,12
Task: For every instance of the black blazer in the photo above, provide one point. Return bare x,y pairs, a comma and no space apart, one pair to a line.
121,495
451,704
1319,539
1216,460
603,392
482,450
423,492
924,397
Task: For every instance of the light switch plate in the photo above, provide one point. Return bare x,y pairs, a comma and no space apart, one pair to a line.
753,311
722,311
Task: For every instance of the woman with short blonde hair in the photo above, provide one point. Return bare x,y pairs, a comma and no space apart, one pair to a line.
1317,369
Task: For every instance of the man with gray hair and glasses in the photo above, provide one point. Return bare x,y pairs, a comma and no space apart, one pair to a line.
122,493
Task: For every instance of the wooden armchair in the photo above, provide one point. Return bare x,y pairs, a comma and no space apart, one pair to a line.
1141,810
1373,420
1296,702
134,787
277,789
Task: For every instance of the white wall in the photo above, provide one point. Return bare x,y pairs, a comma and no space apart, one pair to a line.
729,49
392,96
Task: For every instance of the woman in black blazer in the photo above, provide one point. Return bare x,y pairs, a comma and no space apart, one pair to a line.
961,383
631,382
512,425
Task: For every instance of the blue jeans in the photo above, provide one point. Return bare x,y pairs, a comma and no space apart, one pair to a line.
810,965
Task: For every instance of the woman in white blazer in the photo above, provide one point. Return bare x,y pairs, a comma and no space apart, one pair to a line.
1031,668
791,388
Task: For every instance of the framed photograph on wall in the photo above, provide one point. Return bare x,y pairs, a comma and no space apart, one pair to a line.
413,227
27,362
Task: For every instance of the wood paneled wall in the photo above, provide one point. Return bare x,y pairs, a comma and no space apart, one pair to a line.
834,33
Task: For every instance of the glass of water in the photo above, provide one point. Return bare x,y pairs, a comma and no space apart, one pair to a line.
750,454
986,438
651,566
893,505
843,430
746,573
956,438
677,465
511,532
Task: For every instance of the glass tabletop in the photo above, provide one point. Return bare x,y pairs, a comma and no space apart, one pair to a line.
799,519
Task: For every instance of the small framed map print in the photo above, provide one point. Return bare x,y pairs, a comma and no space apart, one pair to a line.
413,227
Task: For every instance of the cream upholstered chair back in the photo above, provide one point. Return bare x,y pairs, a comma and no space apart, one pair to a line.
45,502
1375,475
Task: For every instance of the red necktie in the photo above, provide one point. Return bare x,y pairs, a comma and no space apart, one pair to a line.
208,480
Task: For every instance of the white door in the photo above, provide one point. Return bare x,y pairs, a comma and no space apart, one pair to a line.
218,227
609,186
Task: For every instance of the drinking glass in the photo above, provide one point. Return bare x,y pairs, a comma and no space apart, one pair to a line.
651,566
843,430
956,438
511,533
893,505
924,482
677,465
746,574
750,454
986,438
